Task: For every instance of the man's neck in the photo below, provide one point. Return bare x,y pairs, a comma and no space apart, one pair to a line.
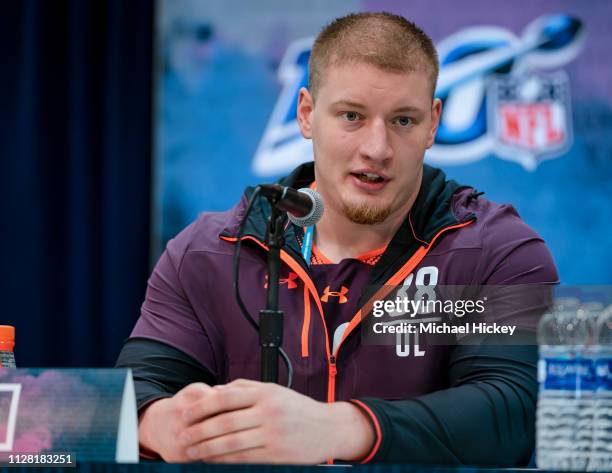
339,238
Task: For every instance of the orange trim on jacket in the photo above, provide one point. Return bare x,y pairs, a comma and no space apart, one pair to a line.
377,429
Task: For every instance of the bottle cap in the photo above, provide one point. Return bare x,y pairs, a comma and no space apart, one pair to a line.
7,337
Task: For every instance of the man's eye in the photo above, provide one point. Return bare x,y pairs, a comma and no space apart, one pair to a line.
403,121
351,116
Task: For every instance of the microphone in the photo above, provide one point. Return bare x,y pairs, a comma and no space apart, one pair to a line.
304,206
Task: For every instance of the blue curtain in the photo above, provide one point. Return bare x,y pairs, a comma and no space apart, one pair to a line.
75,162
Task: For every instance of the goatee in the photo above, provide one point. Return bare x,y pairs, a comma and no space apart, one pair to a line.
365,214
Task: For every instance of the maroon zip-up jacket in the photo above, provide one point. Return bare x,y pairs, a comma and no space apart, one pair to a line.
456,404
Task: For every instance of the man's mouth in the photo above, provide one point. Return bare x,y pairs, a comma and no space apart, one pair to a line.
368,177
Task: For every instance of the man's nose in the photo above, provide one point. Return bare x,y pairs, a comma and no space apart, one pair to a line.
375,143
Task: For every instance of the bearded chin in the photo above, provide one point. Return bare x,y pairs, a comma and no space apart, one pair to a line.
365,214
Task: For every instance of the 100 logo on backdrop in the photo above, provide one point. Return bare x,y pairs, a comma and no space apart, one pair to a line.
503,95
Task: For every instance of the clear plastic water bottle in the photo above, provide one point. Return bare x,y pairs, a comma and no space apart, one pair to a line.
601,454
556,374
581,336
552,440
7,345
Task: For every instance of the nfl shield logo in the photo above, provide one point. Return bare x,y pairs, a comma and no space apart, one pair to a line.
529,117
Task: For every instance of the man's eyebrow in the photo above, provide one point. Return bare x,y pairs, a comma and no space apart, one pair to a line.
408,109
356,105
348,104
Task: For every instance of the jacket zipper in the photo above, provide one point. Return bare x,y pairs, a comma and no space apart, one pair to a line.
331,380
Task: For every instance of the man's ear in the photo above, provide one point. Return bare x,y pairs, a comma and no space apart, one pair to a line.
305,109
436,111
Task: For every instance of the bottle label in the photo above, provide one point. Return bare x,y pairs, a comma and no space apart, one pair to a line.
603,370
7,359
569,374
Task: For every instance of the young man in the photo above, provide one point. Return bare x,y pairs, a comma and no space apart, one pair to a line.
389,220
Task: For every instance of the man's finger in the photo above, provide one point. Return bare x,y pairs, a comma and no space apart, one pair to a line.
221,424
194,391
241,382
226,444
219,400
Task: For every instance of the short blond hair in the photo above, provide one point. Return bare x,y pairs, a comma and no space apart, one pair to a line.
384,40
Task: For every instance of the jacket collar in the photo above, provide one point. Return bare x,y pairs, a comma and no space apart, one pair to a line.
432,211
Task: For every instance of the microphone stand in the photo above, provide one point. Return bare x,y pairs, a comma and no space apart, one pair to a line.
271,318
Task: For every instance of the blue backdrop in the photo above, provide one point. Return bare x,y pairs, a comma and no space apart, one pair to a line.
530,128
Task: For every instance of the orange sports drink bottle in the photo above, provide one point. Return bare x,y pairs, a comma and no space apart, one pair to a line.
7,344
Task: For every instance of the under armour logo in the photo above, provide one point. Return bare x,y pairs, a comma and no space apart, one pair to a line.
289,281
340,294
